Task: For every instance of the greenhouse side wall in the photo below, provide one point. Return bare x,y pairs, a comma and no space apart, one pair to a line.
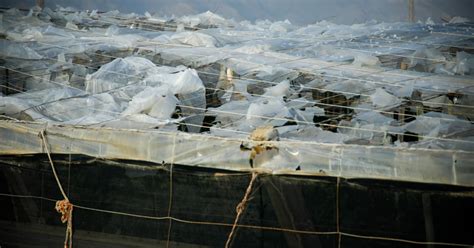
439,166
141,204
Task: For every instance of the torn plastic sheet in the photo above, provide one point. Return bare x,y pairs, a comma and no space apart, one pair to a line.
281,26
230,112
190,90
17,50
432,60
267,111
363,59
464,64
252,49
187,39
374,117
185,82
459,19
365,134
28,34
53,31
259,55
60,104
206,19
280,90
300,103
350,88
193,105
312,133
435,124
156,102
307,115
118,73
369,127
405,91
147,119
194,56
382,98
194,39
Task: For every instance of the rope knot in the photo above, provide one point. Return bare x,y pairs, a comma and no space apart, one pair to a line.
64,207
240,207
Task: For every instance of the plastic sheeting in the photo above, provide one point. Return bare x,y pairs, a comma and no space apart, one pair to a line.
156,102
382,98
90,69
16,50
352,161
118,73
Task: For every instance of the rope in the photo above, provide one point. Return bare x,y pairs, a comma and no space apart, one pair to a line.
267,228
240,209
64,207
45,143
403,240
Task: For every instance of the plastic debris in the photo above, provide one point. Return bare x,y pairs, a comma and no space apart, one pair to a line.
382,98
156,102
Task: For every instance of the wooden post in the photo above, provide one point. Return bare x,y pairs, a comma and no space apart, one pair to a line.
401,119
411,10
40,3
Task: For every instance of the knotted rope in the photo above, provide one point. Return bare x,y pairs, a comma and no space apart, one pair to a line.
240,209
64,207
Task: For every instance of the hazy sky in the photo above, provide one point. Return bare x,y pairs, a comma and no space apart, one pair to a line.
297,11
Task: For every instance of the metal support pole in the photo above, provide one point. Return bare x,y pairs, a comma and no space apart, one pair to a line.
411,10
